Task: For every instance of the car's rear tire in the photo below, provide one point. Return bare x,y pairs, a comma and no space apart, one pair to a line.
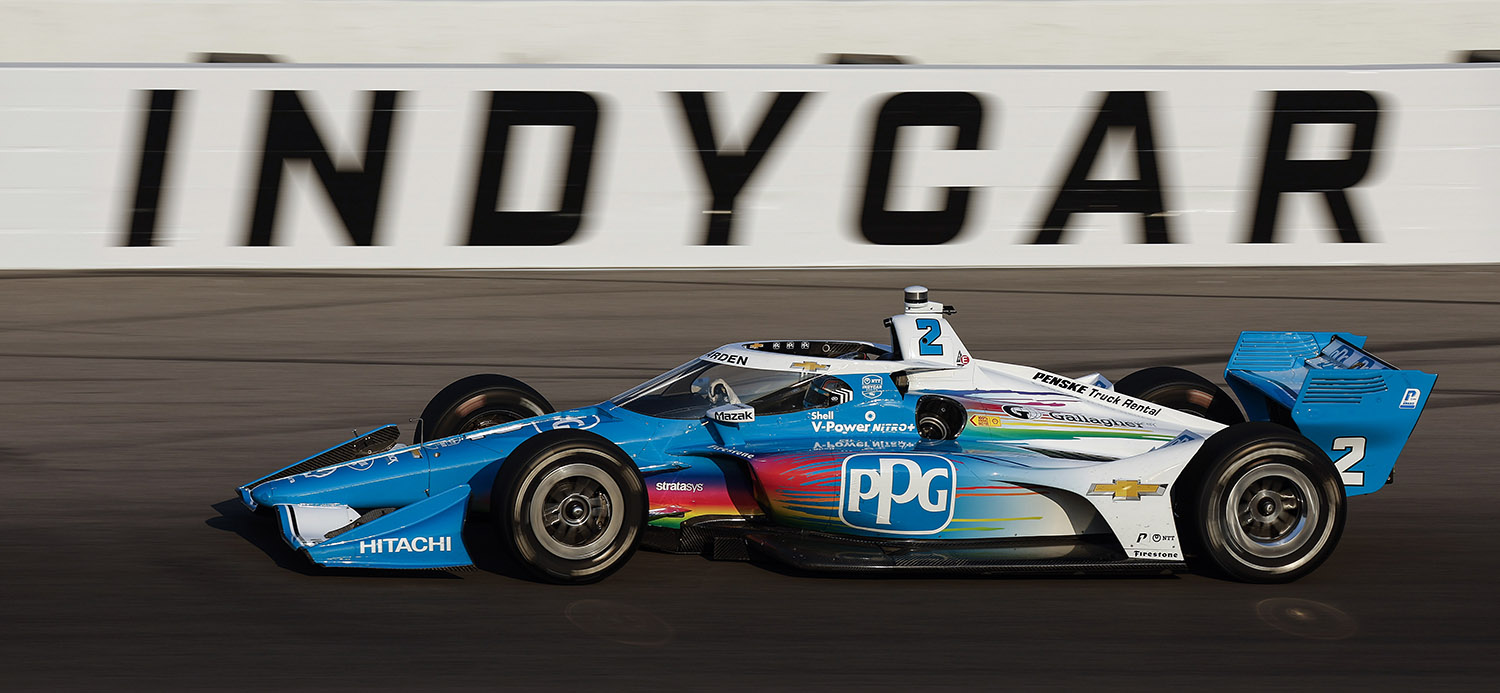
1264,504
569,506
1183,390
479,401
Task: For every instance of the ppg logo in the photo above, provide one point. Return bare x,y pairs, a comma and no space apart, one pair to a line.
897,494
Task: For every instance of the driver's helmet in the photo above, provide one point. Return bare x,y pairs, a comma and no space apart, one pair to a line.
714,389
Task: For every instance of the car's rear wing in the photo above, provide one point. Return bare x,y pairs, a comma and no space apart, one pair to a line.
1357,407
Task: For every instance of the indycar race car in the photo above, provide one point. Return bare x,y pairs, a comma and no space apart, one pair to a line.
851,455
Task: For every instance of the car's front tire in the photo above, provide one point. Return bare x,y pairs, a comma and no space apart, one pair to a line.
1267,505
479,401
569,506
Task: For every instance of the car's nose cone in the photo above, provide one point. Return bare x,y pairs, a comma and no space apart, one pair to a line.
268,494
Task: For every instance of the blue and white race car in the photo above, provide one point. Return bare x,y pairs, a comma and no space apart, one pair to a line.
851,455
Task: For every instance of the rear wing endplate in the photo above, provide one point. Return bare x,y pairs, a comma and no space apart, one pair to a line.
1357,407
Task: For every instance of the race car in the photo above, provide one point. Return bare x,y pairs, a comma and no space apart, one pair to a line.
860,456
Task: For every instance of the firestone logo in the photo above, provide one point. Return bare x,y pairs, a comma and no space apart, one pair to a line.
897,494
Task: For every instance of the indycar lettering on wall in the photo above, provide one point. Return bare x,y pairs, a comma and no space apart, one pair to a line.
849,455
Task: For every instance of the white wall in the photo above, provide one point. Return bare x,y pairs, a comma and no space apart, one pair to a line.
71,162
1002,32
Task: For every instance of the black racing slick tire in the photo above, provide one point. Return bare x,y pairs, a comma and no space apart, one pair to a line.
1264,504
1183,390
569,506
479,401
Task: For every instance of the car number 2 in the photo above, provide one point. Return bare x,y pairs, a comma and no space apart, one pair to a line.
927,344
1356,447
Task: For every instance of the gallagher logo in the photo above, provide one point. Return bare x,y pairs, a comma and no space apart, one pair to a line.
1018,411
897,494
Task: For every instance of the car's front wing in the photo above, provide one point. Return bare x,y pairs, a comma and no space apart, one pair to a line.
427,534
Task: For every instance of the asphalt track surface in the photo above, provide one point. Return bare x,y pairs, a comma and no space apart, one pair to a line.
133,404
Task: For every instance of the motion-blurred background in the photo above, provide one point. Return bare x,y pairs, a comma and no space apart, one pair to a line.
572,134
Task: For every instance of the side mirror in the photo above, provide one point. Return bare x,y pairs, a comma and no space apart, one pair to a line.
732,413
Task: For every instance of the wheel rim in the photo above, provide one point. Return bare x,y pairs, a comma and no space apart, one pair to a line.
488,419
475,416
1272,511
576,511
1196,401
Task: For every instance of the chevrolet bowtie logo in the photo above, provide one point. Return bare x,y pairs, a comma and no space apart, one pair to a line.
810,366
1127,489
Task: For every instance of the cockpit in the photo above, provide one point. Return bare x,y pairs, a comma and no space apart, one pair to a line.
690,390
